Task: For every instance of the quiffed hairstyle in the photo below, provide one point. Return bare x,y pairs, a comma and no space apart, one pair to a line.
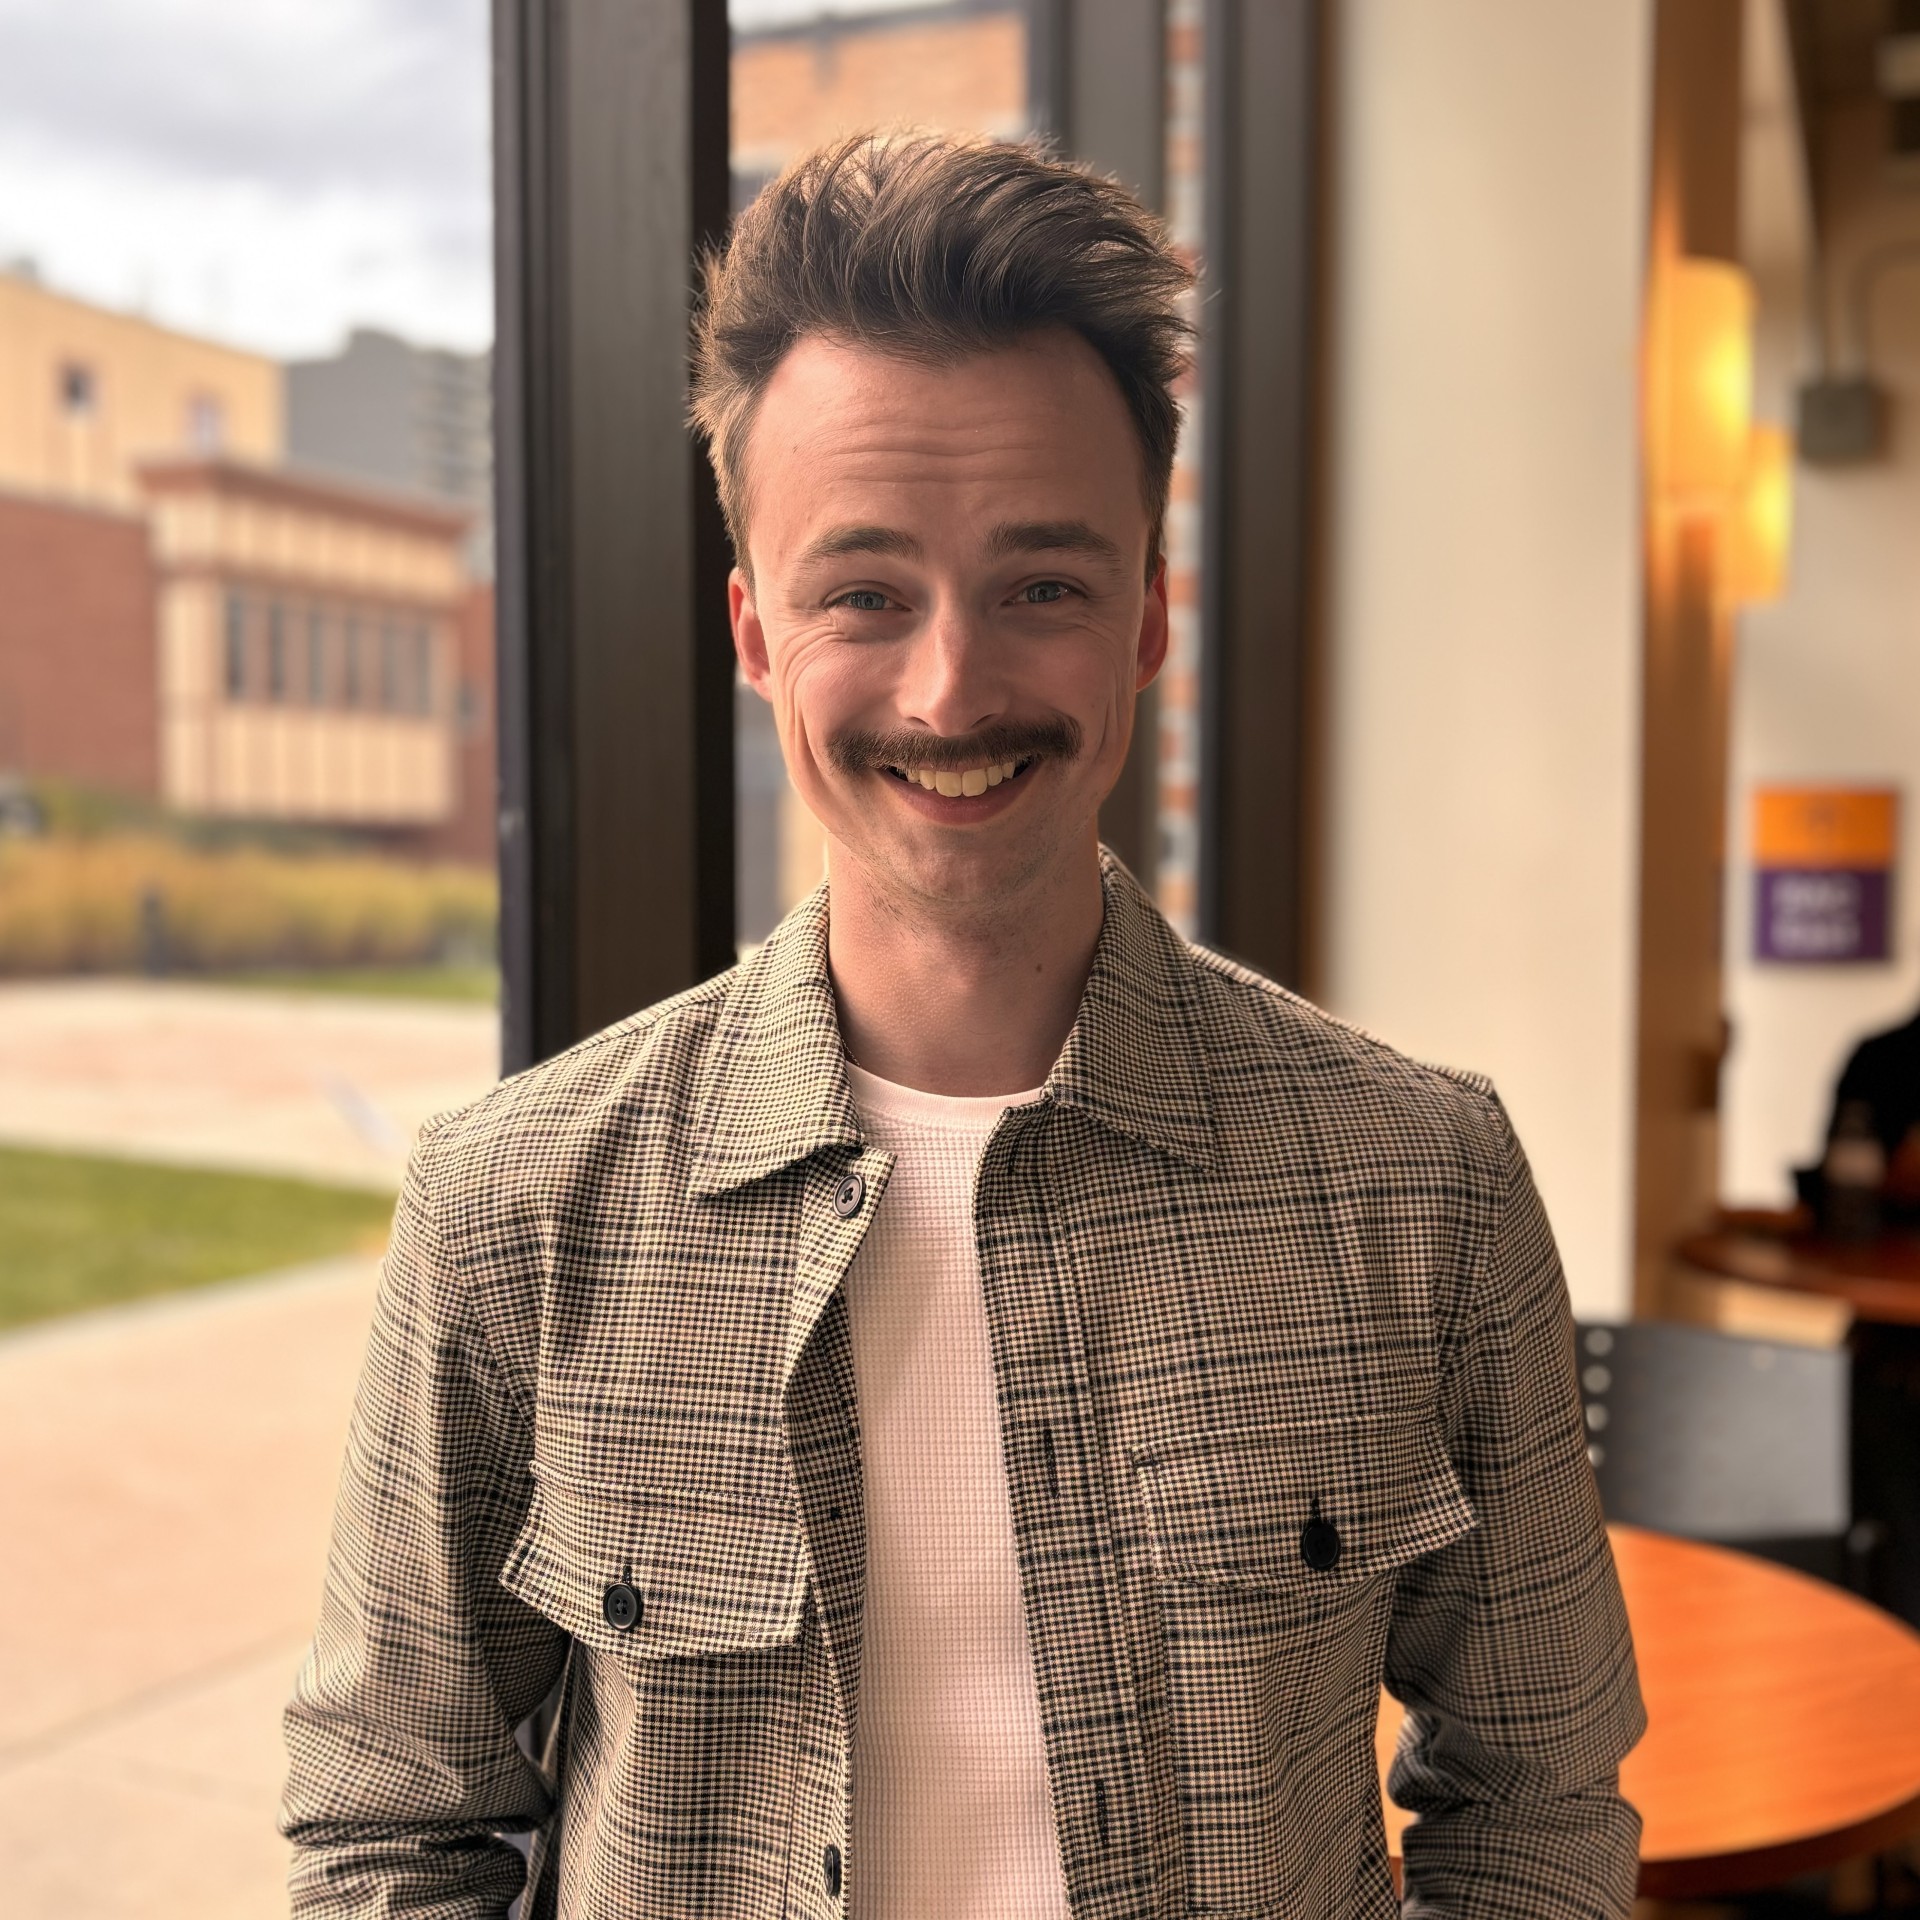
934,248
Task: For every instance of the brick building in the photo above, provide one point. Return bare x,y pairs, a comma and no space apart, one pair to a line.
78,691
190,620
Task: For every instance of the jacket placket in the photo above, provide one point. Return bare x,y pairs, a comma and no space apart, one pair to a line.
823,1443
1057,1479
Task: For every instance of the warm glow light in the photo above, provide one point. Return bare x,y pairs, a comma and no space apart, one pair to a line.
1707,378
1760,520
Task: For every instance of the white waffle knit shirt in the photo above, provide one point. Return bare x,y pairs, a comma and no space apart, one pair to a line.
952,1816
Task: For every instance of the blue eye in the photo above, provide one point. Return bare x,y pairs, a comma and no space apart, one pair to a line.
1044,593
864,600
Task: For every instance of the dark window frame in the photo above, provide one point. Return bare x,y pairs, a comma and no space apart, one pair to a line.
79,388
234,621
1265,128
277,678
319,682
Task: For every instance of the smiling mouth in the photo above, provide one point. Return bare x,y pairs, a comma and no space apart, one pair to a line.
957,782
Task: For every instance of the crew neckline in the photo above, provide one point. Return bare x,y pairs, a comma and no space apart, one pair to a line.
895,1102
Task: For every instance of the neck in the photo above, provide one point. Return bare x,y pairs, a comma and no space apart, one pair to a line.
958,1003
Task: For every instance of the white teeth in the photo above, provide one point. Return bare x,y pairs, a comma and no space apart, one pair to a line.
971,781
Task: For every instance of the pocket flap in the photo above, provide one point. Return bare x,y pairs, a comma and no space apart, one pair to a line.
712,1574
1230,1510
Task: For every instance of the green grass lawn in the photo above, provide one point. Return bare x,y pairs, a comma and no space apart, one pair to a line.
407,983
80,1232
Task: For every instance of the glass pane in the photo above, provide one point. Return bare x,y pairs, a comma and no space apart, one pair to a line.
803,71
247,895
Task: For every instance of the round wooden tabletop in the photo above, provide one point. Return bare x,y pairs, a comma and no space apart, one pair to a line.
1783,1720
1879,1279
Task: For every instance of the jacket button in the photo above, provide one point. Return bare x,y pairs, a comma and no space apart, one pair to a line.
849,1195
1320,1544
621,1605
830,1870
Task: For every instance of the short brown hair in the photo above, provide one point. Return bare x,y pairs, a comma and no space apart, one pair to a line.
934,248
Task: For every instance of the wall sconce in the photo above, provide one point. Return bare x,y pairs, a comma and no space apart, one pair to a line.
1760,520
1706,382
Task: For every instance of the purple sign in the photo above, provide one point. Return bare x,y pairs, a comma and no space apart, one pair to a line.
1820,915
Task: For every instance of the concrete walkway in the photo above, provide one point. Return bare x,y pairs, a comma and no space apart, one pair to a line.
325,1086
167,1475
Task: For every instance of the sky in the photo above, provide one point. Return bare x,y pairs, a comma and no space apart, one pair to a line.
267,172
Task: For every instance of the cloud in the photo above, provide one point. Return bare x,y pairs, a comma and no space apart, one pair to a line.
271,171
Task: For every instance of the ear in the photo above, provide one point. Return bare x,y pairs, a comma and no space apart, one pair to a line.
749,637
1151,654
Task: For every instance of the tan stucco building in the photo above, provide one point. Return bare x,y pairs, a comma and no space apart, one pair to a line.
86,394
306,645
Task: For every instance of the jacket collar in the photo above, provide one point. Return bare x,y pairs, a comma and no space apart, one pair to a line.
774,1089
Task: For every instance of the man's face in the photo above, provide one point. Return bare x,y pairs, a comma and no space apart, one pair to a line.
949,607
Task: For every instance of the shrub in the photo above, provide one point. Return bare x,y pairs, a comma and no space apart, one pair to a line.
144,900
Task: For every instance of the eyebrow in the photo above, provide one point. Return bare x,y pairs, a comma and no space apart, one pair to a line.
1049,536
1009,537
837,542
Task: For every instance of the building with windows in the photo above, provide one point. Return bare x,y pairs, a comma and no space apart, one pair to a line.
86,394
190,619
400,415
306,646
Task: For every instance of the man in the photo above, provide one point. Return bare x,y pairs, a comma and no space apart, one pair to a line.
968,1407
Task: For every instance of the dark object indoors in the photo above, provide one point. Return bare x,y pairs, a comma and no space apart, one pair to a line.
1739,1442
1883,1075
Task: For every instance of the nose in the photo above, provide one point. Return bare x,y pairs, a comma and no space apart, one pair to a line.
953,676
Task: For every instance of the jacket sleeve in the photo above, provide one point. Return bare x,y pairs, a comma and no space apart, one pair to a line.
1510,1647
404,1768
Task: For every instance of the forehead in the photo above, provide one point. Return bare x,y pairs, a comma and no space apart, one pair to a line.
1033,430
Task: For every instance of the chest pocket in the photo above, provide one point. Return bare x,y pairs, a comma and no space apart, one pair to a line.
707,1575
684,1721
1273,1551
1301,1510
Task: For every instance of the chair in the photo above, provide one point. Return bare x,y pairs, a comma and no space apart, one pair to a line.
1740,1442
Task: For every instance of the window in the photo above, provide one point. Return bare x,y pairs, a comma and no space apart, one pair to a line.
206,423
350,679
390,668
423,669
79,390
276,652
316,658
236,649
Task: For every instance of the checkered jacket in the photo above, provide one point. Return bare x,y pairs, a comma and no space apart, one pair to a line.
1288,1409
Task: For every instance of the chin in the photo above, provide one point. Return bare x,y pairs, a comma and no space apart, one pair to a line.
990,872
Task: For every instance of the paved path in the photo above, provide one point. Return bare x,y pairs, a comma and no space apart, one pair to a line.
167,1474
330,1087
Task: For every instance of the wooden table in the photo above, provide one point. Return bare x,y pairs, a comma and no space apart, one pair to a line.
1784,1721
1879,1279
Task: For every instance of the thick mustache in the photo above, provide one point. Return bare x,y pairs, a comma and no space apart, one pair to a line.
858,750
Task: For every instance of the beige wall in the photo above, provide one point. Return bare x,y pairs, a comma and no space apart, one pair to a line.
337,757
289,760
1482,611
338,552
1827,685
146,380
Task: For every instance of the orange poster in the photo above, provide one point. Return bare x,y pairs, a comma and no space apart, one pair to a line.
1825,826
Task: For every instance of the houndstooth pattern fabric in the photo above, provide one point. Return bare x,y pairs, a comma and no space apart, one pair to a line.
1245,1269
